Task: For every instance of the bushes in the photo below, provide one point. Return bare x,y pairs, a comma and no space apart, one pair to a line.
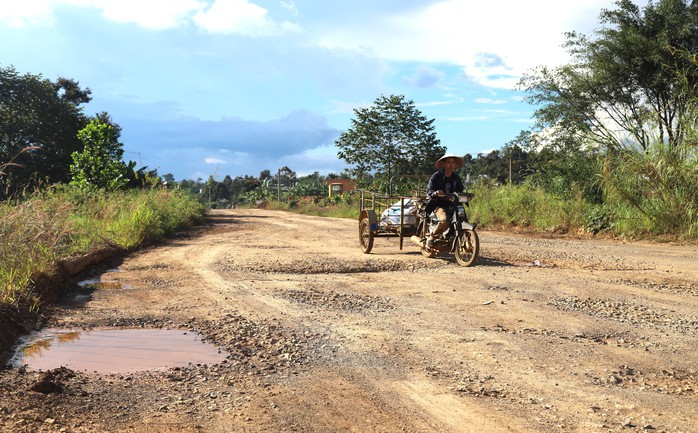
65,221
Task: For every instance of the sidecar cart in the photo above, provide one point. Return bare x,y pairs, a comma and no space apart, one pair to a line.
385,216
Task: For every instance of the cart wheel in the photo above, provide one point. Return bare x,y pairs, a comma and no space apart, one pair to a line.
365,236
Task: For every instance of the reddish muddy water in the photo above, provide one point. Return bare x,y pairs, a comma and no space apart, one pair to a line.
115,350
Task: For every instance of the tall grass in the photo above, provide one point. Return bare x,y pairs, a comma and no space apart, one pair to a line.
526,206
66,221
655,191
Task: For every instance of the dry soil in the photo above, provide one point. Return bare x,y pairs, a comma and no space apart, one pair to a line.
540,335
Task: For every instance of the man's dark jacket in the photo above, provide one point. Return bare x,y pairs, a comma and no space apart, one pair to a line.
439,182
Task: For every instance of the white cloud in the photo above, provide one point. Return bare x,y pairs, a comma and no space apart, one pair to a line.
465,118
289,5
241,17
438,103
222,16
213,161
150,14
495,41
24,13
489,101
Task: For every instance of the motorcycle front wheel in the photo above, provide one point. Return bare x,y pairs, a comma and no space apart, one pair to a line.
468,248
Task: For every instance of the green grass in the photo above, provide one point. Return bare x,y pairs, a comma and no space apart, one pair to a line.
526,206
65,221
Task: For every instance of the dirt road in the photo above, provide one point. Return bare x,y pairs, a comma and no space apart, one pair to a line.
541,335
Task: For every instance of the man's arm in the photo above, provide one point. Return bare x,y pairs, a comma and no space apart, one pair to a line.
434,184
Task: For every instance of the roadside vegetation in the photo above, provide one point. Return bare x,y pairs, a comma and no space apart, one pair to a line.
62,222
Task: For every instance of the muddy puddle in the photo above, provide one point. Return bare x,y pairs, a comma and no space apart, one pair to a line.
114,350
98,283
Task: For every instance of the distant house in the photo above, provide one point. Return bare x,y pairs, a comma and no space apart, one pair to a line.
339,186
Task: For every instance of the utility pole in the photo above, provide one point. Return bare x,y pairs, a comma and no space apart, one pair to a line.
509,171
278,183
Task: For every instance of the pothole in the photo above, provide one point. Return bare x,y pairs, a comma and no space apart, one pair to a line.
114,350
98,284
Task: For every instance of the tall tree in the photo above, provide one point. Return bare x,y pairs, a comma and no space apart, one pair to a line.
99,164
390,138
44,116
621,90
285,177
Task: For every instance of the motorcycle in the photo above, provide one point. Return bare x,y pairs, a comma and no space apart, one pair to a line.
460,238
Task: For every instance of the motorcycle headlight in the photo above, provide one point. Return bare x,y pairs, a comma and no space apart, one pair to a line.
461,212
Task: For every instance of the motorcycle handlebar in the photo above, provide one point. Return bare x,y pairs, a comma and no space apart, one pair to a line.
456,196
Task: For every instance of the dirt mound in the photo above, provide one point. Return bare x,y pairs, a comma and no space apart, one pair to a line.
323,265
338,301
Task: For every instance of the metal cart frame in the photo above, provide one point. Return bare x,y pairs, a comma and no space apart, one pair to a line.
372,205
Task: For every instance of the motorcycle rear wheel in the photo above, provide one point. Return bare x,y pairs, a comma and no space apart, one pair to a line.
468,248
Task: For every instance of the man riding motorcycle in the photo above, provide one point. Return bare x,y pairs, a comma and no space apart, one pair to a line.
443,182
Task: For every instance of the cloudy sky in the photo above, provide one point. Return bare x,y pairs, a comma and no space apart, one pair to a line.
216,87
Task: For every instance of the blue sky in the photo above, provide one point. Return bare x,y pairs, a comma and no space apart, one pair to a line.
217,87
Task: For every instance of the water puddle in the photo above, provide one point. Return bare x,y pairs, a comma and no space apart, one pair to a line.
99,284
114,350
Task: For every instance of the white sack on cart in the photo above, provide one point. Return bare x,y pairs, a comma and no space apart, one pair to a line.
391,216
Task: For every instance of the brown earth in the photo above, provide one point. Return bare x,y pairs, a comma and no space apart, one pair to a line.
541,335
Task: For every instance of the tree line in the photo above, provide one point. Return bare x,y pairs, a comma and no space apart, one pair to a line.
283,185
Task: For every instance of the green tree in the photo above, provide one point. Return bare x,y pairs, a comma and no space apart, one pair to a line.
264,175
241,185
193,186
215,193
169,180
621,90
630,96
142,177
563,170
310,185
390,138
285,176
99,164
44,117
228,183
